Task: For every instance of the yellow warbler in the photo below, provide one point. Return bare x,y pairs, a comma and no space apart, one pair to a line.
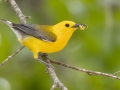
44,38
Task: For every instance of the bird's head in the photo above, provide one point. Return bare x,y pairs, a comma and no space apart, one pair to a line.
68,26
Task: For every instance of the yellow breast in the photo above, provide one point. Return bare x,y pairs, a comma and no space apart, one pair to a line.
36,45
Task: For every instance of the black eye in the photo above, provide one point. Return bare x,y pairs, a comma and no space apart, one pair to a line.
67,25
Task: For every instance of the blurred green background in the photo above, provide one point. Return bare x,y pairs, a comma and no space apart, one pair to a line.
96,48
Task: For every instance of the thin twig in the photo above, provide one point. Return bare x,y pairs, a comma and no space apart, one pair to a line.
116,72
9,57
18,11
90,72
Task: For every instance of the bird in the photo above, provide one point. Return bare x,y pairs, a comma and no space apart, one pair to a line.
44,38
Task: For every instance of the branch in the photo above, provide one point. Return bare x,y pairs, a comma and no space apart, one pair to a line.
18,11
89,72
50,70
11,56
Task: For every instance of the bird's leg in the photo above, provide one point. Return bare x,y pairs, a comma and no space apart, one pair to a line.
44,60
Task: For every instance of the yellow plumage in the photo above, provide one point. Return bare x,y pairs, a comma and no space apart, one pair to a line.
42,38
63,34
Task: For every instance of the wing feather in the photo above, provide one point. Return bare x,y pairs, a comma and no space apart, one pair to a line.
32,30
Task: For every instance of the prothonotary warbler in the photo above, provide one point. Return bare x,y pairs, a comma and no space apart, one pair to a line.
44,38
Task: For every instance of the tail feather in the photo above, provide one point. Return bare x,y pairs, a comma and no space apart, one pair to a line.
18,33
6,22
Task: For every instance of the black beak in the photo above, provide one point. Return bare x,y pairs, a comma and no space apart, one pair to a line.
75,26
79,25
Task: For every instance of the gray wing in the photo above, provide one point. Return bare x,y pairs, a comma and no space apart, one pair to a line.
31,30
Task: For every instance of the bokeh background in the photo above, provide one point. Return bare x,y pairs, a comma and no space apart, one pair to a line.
96,48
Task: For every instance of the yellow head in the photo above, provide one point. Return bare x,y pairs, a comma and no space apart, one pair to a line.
67,27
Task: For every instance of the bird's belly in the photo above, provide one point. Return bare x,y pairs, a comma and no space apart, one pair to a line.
37,45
